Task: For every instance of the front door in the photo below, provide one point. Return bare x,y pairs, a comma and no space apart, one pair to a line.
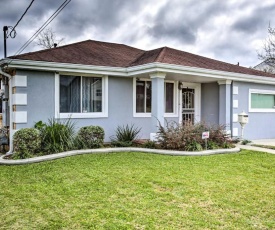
188,105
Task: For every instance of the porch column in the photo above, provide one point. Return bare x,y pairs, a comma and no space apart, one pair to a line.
225,103
157,102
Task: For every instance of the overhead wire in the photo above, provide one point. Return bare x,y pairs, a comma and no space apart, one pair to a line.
13,29
45,24
48,21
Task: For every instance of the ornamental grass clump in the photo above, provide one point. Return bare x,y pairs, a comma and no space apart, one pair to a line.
56,135
26,143
188,136
125,136
90,137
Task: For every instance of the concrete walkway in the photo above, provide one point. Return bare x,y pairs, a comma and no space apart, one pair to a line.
270,142
267,142
112,150
254,148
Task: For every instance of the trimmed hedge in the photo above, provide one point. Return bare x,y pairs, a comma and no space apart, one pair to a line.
26,142
90,137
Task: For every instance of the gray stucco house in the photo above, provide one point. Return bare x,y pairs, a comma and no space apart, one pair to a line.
107,84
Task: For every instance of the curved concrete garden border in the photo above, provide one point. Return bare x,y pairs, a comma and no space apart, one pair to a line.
112,150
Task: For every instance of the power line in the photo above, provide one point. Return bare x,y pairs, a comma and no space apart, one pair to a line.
49,20
13,30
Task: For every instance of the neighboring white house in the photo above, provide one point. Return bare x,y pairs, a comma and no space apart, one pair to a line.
266,66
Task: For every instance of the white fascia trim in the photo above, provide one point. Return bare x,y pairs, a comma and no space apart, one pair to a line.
170,68
68,67
141,69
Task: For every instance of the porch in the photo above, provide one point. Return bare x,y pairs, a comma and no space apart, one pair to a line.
193,98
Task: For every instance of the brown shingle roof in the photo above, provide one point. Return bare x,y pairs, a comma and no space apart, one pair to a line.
177,57
98,53
87,53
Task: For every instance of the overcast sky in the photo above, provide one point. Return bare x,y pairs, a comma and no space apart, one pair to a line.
231,31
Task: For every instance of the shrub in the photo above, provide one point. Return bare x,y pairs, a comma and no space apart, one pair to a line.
90,137
122,143
245,142
125,135
193,146
212,145
188,136
26,142
149,144
57,136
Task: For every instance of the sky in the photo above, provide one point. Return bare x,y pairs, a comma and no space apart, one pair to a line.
230,30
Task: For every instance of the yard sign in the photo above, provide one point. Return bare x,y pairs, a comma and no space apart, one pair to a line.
205,135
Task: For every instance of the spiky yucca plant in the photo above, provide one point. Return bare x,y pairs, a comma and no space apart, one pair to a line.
125,135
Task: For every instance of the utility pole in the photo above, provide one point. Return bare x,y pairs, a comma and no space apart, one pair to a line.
5,30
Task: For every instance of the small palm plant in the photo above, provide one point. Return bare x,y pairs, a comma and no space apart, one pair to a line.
125,135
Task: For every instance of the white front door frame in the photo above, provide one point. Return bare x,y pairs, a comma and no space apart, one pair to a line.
197,88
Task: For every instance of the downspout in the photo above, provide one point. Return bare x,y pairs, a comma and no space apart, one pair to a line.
8,86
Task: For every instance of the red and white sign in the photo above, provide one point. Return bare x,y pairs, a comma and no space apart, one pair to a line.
205,135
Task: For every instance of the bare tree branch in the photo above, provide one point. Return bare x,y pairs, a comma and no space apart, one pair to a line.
268,54
47,39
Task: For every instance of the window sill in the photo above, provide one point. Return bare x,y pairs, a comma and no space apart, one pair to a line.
149,115
261,110
82,115
142,114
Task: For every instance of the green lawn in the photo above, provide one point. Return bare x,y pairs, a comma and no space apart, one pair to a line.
141,191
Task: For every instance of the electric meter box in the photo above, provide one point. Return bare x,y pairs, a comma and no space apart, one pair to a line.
243,118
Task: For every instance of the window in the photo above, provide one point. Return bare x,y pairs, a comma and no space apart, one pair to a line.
143,97
80,94
262,101
169,95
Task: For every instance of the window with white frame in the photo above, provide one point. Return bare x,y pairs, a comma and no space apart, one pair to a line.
80,94
144,96
262,101
169,97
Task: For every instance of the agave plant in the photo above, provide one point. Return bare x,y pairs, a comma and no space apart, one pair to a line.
125,135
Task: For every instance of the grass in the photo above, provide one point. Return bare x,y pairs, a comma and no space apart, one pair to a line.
141,191
264,146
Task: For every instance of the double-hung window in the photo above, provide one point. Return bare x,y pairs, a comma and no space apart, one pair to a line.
261,100
79,95
143,97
